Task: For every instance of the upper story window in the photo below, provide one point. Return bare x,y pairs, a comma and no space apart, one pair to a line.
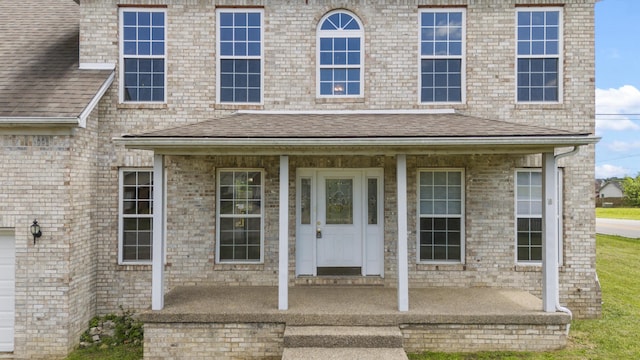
142,55
539,42
441,215
240,60
340,53
442,34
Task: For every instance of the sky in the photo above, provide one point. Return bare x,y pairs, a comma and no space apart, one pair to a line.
618,88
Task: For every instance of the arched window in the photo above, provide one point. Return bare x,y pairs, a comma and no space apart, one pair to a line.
340,42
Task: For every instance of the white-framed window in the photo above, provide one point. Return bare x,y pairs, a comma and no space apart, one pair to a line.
442,60
539,59
340,55
135,235
528,196
240,55
528,216
240,217
143,52
441,215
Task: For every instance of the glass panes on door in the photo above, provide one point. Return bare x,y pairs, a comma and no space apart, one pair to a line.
339,201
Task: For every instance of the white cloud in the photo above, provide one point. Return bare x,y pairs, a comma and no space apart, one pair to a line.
624,146
607,171
615,101
625,100
617,124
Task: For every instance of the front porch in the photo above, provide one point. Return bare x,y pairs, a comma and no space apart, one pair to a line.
293,167
242,322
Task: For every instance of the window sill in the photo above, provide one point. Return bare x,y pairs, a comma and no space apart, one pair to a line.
532,267
440,267
442,105
239,267
134,267
142,106
336,100
540,106
224,106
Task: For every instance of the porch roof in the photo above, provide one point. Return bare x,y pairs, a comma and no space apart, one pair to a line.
389,131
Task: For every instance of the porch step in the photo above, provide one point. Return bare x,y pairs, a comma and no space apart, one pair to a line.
337,280
342,337
344,354
343,343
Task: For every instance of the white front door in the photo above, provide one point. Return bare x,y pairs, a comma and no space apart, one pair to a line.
339,219
7,290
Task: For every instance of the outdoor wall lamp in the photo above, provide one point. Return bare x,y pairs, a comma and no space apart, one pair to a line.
35,230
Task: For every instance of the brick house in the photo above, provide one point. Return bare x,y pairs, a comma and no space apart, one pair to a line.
166,147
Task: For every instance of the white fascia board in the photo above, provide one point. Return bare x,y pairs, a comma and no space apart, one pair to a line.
82,119
38,121
152,143
350,112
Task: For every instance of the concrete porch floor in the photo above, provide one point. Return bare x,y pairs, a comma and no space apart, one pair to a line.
351,306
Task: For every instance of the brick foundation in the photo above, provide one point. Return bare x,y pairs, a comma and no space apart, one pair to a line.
213,341
265,340
471,338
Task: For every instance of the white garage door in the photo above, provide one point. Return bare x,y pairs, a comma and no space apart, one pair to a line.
7,290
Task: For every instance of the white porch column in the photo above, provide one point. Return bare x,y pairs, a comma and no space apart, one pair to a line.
403,267
549,232
157,269
283,245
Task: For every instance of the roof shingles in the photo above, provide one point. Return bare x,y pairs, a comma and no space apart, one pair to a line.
351,125
40,75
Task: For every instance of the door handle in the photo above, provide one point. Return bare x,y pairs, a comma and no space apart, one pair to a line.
318,233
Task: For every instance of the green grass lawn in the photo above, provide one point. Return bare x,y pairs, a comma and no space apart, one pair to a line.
618,213
615,335
120,352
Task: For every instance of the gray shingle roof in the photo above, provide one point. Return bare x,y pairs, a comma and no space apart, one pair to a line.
352,125
364,132
39,74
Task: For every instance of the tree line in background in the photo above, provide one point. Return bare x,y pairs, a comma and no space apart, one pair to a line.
631,188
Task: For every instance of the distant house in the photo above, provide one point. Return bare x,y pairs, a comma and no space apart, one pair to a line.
264,152
597,185
611,189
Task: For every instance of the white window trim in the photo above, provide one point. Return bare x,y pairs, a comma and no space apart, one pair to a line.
560,56
462,57
346,34
462,217
219,57
122,56
121,261
262,215
560,213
